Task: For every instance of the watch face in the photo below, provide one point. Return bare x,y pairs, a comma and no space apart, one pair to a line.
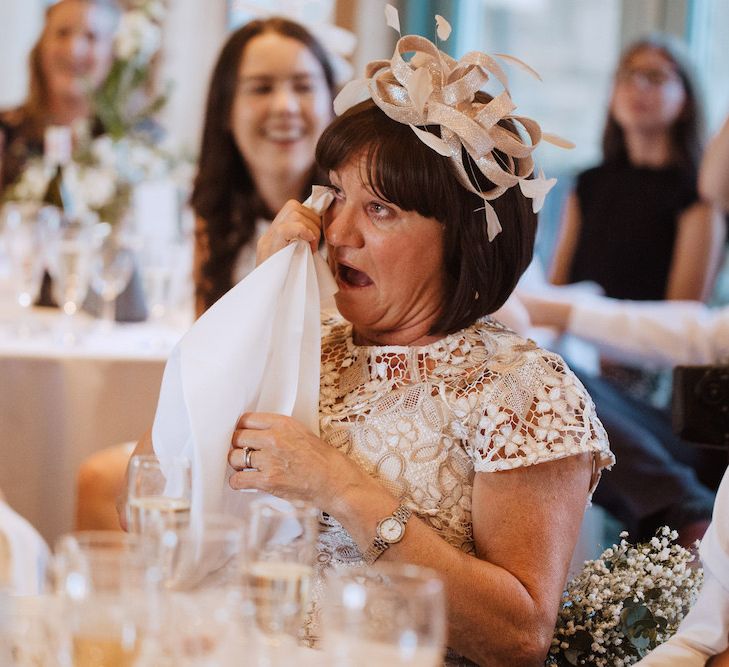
391,529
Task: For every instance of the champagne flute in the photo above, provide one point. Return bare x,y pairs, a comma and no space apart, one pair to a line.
158,497
70,251
282,548
111,270
393,614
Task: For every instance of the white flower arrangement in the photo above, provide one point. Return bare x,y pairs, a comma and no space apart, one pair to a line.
101,176
625,603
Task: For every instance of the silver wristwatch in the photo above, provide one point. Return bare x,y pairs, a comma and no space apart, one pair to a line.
389,531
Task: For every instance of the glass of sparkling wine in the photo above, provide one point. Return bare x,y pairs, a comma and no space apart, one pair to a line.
392,614
281,553
101,579
158,497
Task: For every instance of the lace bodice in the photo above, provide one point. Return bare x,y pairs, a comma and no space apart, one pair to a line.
424,420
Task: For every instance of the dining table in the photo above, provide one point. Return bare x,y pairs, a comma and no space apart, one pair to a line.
63,399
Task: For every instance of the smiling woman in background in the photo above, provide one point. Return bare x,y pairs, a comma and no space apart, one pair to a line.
270,99
71,58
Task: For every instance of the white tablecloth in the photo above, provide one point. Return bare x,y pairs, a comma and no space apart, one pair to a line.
60,403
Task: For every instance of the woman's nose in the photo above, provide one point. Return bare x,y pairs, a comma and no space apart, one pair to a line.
341,228
285,99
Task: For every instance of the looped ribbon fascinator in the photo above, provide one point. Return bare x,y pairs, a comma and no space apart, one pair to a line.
431,88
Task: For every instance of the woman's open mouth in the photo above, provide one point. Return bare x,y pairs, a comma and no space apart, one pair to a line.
348,276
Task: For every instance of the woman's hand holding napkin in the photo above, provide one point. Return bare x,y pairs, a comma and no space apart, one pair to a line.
257,349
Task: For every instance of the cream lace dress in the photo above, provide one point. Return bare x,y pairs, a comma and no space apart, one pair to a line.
425,419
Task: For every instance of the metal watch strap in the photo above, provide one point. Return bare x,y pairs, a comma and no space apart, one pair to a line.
379,545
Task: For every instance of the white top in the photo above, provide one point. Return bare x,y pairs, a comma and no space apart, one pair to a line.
246,260
664,333
705,630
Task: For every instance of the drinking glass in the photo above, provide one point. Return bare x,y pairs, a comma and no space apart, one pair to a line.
158,499
70,248
158,263
205,554
102,578
111,270
391,615
28,630
281,553
23,231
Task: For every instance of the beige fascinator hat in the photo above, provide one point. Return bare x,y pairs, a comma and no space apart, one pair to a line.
431,88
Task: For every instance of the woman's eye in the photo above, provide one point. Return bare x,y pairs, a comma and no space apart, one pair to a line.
303,88
337,192
379,211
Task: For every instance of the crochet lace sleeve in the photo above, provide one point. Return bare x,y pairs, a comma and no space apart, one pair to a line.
535,413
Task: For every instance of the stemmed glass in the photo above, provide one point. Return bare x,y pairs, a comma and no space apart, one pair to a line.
158,499
392,614
70,251
111,270
23,225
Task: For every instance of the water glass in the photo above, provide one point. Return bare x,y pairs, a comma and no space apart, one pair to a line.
103,581
391,615
111,269
282,540
158,497
206,554
70,248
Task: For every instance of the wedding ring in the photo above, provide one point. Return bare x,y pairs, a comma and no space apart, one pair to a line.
247,451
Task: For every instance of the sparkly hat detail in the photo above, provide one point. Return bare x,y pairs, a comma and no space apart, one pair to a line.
431,88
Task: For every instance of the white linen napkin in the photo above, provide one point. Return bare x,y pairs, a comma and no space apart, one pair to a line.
24,554
257,349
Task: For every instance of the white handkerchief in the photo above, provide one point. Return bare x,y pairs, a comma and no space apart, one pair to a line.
24,555
257,349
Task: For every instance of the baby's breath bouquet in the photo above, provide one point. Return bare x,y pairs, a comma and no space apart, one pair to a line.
625,603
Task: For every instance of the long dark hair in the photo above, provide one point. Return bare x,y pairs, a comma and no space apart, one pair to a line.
687,130
480,274
224,194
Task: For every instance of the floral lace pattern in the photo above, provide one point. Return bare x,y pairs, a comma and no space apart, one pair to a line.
424,420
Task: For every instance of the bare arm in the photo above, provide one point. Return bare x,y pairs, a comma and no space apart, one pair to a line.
503,603
714,171
569,234
525,525
697,253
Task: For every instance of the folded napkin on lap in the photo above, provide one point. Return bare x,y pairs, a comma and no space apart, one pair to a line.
257,349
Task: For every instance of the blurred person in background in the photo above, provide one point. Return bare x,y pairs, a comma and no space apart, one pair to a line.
634,224
70,59
270,98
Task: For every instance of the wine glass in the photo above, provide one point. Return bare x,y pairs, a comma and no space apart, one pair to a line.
393,615
70,251
158,261
281,553
23,224
158,497
111,270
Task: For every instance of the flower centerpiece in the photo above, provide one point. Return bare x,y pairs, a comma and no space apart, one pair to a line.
625,603
122,149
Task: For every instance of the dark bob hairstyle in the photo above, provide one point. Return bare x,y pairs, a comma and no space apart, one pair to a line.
400,169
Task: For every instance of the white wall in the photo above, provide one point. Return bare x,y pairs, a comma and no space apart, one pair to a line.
194,33
21,22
